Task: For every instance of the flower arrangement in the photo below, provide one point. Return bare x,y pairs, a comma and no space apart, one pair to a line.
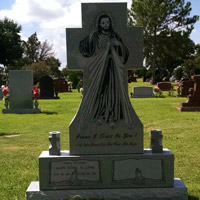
36,92
36,95
157,91
5,91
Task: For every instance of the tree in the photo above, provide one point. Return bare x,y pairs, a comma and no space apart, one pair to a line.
74,76
39,69
35,51
10,42
164,22
54,64
191,66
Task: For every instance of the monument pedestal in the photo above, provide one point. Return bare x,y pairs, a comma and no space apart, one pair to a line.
20,111
106,171
177,192
189,109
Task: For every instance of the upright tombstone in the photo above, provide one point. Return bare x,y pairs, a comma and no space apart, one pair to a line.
20,97
106,136
142,92
193,99
165,86
184,87
47,88
61,85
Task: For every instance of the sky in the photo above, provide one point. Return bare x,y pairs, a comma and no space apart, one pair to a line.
50,18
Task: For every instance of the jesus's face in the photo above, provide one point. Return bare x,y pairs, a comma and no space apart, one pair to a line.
105,24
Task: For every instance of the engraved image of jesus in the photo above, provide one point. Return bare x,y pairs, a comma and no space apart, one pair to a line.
106,99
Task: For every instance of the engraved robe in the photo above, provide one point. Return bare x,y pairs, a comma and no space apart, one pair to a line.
105,99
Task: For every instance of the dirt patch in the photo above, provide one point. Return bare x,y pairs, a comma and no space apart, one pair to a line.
12,148
11,136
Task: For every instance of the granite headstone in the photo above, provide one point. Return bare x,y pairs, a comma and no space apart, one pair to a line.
20,97
184,87
164,86
142,92
61,85
99,123
193,99
47,88
106,136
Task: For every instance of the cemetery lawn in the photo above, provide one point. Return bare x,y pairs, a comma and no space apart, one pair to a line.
24,137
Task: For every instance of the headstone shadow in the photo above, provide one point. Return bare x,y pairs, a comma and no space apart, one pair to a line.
49,112
190,197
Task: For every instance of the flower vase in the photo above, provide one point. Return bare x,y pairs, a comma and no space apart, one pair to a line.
36,103
6,103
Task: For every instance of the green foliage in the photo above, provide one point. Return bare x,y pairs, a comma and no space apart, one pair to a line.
166,24
79,85
10,42
31,49
54,64
179,73
39,69
35,51
76,77
73,77
141,72
191,66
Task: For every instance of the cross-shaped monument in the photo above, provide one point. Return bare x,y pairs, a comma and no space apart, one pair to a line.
106,159
105,48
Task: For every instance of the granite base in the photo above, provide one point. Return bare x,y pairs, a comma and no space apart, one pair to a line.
178,192
21,111
189,109
50,97
106,171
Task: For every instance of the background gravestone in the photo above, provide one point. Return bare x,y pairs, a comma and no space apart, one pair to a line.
20,97
165,86
193,99
47,88
185,86
61,85
142,92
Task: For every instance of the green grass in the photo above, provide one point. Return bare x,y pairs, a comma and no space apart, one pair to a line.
19,155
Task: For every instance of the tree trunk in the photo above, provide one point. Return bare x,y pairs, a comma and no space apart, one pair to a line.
153,67
153,77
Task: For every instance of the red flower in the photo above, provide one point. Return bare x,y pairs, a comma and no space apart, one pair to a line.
36,91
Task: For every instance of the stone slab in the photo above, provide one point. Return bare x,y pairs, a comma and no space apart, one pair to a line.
164,86
189,109
106,171
20,86
178,192
102,139
142,92
21,111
